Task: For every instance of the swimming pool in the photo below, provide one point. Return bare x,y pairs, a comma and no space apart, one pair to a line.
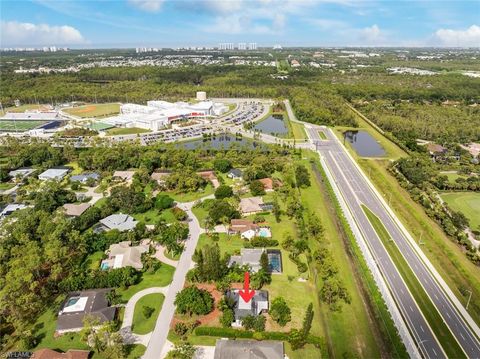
275,261
104,266
264,232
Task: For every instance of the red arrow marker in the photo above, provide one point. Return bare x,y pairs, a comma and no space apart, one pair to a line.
246,293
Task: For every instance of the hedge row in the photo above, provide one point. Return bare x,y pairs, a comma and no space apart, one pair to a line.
244,334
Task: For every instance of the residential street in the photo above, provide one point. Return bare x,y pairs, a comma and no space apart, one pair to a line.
159,334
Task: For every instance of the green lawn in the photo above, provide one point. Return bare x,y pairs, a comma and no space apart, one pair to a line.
162,277
309,351
93,260
227,244
298,130
44,329
6,186
153,215
142,324
466,202
443,334
453,176
191,196
125,131
94,110
134,351
19,126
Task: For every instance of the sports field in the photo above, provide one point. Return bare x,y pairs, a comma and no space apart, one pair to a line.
94,110
19,126
466,202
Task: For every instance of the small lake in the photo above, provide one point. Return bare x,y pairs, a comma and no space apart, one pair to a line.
364,144
273,125
220,141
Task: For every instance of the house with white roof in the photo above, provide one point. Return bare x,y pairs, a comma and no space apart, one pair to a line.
56,174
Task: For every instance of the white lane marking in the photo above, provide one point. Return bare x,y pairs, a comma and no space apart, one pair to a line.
435,352
411,309
421,327
448,315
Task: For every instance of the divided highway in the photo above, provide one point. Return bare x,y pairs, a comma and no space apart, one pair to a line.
356,191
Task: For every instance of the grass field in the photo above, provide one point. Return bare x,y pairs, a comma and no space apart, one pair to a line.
5,186
142,324
466,202
19,126
443,334
116,131
153,215
94,110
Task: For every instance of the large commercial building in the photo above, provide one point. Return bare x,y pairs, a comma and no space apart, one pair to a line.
160,114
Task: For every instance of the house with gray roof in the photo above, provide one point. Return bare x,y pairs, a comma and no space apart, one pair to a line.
78,305
21,173
84,177
248,256
120,221
10,208
235,174
56,174
255,306
248,349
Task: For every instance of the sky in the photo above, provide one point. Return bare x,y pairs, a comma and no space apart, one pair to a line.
179,23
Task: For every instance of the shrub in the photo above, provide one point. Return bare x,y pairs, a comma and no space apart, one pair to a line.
179,214
227,318
163,201
280,311
223,191
257,188
222,165
147,311
180,329
261,242
192,300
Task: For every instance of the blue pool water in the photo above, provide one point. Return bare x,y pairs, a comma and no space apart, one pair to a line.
275,262
71,301
263,232
104,266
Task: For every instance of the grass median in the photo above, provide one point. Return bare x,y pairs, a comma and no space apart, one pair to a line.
432,316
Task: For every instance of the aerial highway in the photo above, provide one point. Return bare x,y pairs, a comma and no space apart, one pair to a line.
357,191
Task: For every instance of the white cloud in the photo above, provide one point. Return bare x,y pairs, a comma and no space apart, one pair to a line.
458,38
15,33
147,5
371,35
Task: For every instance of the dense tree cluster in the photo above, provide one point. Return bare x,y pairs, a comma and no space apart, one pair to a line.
192,300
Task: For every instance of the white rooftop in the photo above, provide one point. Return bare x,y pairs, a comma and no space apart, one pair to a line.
77,306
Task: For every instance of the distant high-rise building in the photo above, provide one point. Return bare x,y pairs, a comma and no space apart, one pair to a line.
53,49
252,46
226,46
277,47
242,46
